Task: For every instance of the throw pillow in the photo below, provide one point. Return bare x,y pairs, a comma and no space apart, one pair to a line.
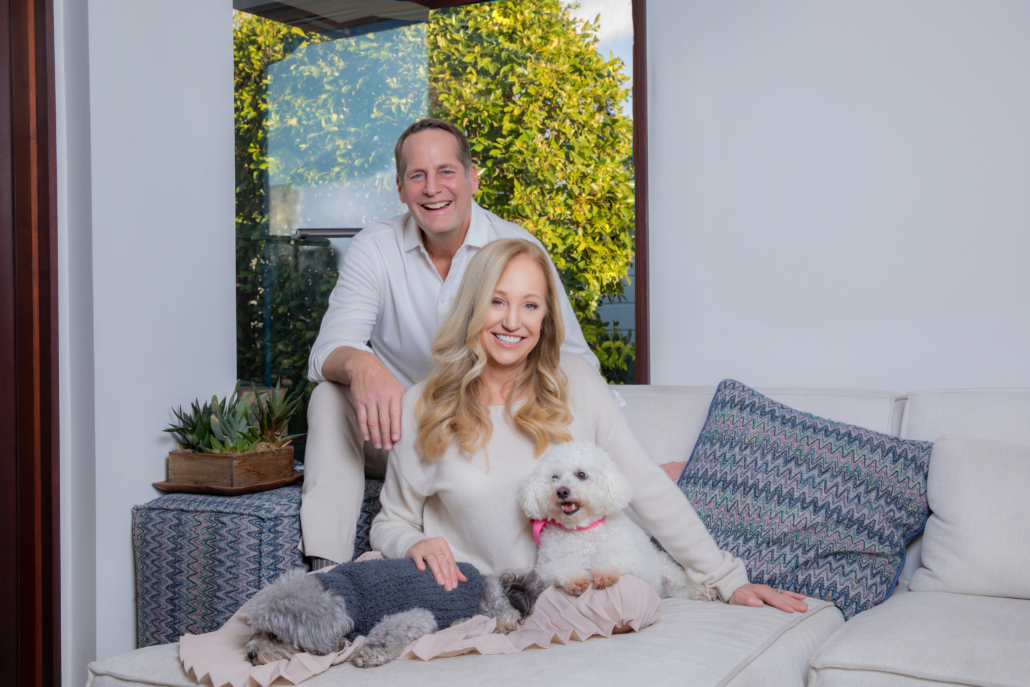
814,506
977,540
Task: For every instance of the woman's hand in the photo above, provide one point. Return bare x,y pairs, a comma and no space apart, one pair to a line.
762,594
674,470
437,555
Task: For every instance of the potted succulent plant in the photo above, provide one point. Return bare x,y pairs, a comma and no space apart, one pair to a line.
233,444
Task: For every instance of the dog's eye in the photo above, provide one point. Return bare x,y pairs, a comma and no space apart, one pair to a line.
554,478
581,475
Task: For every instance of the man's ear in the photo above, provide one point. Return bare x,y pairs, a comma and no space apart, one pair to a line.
474,173
400,192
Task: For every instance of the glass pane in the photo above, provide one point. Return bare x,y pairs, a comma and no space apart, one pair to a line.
614,20
544,100
317,118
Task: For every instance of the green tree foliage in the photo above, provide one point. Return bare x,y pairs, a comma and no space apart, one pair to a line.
543,110
325,106
541,105
280,298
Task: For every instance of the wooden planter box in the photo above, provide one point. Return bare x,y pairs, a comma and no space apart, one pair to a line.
231,469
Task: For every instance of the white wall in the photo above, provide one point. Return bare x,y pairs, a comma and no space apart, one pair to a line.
840,192
75,327
148,275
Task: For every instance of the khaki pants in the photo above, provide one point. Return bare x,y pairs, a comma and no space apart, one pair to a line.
336,462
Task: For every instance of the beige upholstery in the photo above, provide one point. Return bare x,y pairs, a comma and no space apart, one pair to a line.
977,540
695,643
668,419
996,414
916,638
929,638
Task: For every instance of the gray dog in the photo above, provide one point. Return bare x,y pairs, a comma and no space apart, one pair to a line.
388,601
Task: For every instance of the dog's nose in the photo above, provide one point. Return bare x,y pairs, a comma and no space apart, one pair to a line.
562,493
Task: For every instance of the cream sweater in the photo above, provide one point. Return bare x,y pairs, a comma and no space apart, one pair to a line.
473,503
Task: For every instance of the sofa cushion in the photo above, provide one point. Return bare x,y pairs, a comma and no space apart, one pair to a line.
929,637
668,419
996,414
977,540
811,505
693,642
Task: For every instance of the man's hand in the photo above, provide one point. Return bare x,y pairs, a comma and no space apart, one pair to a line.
762,594
674,470
377,393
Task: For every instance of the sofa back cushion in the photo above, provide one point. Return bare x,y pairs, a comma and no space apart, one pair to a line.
667,420
977,540
995,414
819,507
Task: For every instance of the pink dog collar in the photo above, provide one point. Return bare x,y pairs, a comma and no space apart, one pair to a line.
539,525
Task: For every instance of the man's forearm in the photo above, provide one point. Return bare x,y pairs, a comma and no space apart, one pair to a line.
339,366
376,391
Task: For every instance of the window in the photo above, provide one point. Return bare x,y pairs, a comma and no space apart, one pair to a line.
541,88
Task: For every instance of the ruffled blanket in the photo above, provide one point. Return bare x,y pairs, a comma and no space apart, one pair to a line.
629,605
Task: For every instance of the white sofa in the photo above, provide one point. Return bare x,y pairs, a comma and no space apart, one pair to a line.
912,638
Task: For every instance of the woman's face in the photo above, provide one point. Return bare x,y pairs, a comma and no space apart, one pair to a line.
515,315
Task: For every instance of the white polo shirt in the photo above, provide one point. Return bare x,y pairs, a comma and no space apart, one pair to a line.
390,294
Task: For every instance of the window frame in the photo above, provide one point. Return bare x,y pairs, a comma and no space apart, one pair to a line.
641,310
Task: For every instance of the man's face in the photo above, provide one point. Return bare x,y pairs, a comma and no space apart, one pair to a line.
435,187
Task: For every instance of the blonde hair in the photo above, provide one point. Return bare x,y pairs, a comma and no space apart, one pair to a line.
452,404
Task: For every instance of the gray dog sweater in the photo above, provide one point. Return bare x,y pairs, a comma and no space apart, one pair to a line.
375,589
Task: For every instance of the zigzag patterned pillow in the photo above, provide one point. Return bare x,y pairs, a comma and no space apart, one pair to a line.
818,507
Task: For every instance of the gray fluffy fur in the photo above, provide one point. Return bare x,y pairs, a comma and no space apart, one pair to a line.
509,598
389,637
296,613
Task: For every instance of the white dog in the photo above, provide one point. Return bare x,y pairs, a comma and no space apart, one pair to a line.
576,497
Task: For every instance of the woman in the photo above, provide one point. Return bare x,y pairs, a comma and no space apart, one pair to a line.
499,394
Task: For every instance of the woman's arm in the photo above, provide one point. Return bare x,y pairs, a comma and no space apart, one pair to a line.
398,525
667,513
657,501
398,530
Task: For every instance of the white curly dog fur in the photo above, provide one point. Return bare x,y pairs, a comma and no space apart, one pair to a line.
575,485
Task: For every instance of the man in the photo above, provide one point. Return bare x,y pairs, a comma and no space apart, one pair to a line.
397,282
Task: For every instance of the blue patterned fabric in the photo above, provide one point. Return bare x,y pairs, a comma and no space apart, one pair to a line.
810,505
199,558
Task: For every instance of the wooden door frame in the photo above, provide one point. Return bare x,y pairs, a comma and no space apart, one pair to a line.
29,456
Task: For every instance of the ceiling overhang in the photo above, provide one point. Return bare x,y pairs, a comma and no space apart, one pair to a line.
340,17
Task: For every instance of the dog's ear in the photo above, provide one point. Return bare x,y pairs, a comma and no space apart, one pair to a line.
536,492
615,486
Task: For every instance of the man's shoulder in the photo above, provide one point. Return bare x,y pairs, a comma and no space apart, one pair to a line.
503,229
385,232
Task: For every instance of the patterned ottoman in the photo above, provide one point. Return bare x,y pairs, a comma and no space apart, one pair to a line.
199,558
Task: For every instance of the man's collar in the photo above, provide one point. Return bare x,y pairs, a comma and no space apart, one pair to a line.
476,235
412,236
